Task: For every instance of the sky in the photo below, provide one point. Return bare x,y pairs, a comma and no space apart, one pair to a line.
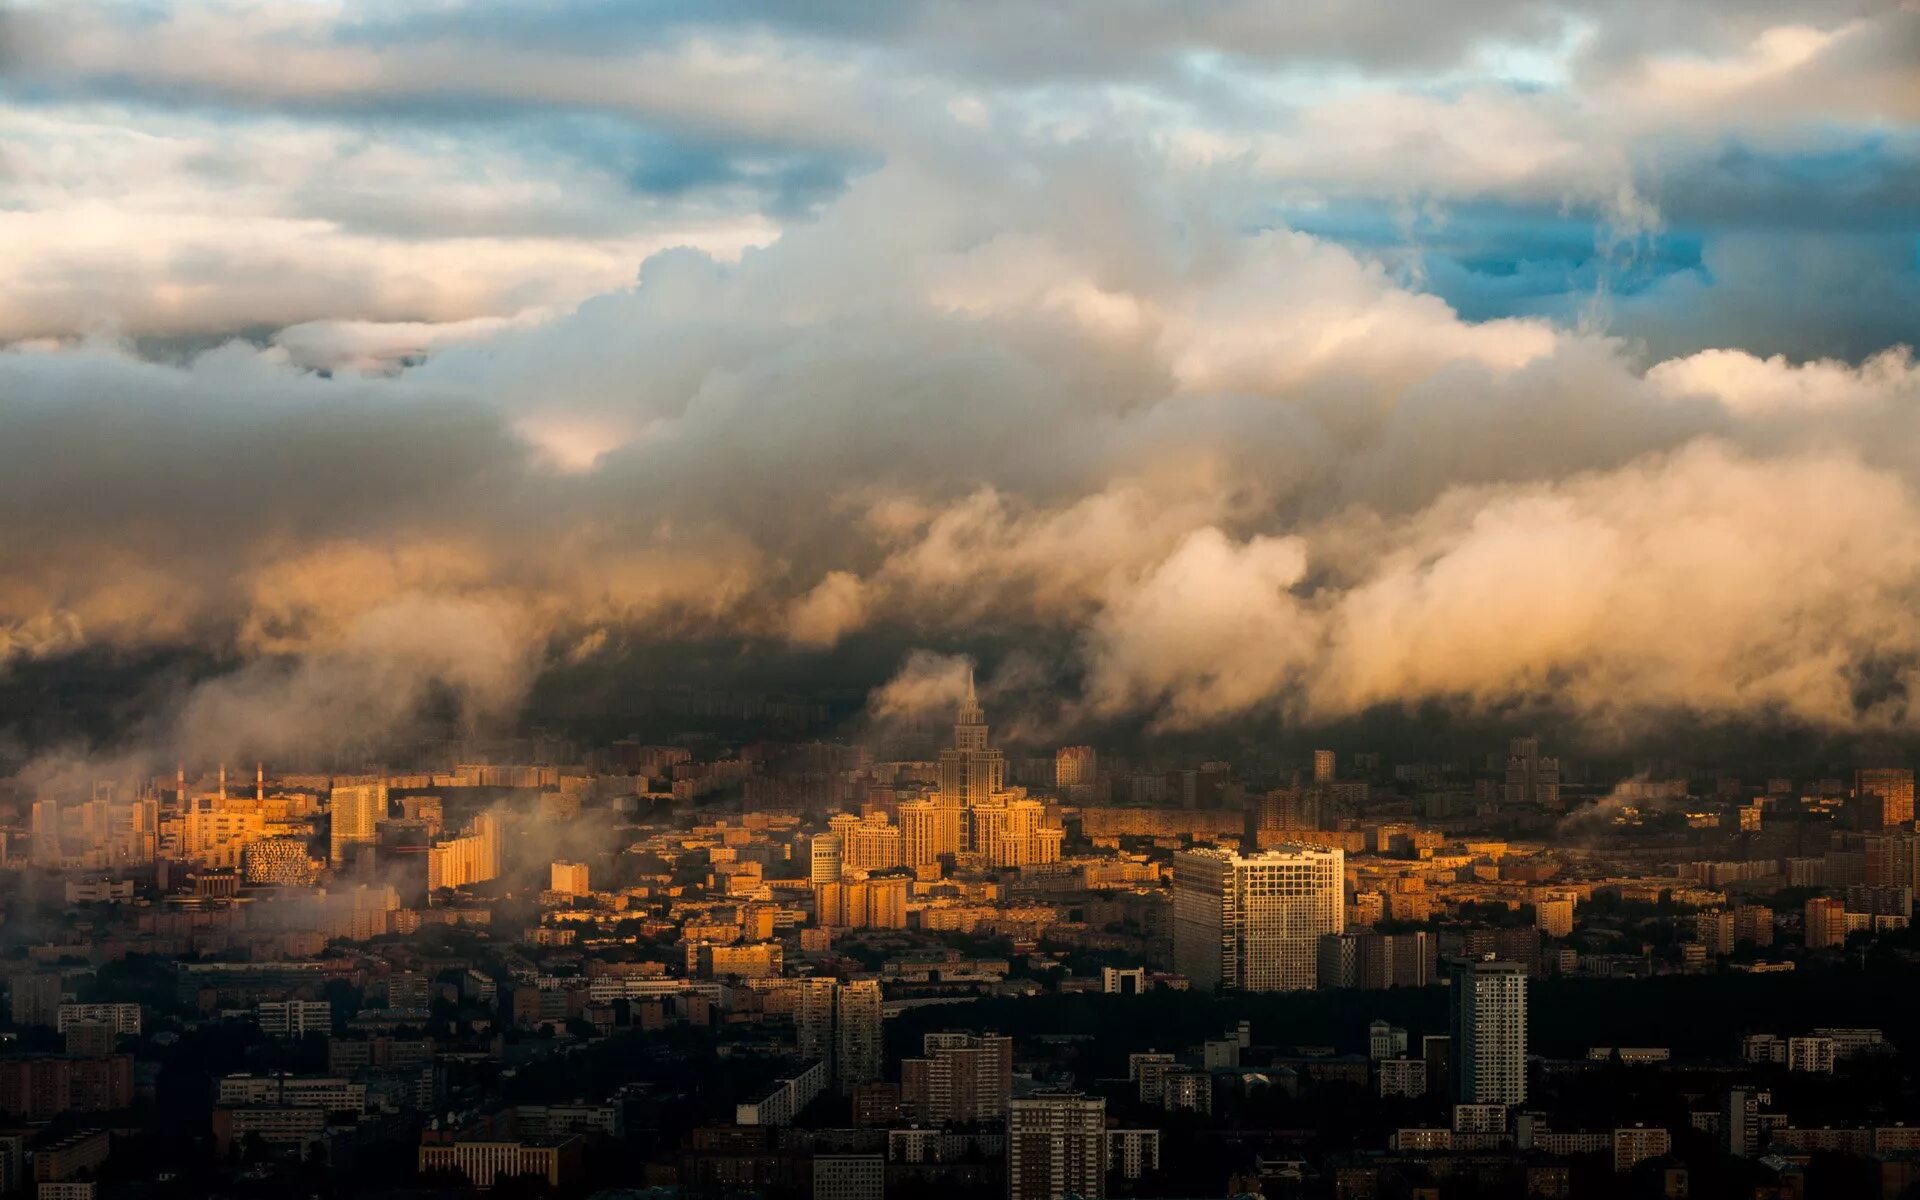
1226,360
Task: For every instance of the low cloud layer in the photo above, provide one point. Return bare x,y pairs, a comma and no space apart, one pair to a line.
829,329
1241,473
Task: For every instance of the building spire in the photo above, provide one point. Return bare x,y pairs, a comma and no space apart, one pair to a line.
970,712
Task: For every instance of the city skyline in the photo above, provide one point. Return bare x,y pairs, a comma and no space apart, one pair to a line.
1028,599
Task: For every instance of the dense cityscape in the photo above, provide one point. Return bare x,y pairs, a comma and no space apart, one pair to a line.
791,968
959,599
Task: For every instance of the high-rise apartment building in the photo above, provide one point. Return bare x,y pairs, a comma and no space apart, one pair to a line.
1253,922
1378,960
869,843
1057,1146
849,1176
1287,811
1488,1008
838,1022
1884,796
858,1043
1553,916
1076,770
1323,766
357,808
960,1078
473,857
1740,1123
1825,919
928,829
862,902
1531,779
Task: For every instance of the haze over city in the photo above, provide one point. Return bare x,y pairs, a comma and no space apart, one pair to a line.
691,596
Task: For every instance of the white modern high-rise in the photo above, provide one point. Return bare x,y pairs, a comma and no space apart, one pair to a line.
1056,1146
1253,923
1488,1008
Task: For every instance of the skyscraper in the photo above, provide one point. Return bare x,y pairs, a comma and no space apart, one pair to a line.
1057,1146
1488,1010
1254,922
970,772
1000,826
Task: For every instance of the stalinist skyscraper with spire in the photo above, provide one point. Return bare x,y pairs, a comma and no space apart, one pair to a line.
993,825
970,773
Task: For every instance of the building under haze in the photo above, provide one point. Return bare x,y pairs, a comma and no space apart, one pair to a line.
1531,778
357,807
1488,1021
1075,771
971,773
473,857
1254,922
1884,796
570,878
838,1022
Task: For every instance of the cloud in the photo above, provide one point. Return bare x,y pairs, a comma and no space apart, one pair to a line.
212,167
835,605
927,685
932,343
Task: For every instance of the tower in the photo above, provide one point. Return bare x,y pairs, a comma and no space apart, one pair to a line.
970,772
1254,922
839,1023
1323,770
1488,1010
1056,1146
357,809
